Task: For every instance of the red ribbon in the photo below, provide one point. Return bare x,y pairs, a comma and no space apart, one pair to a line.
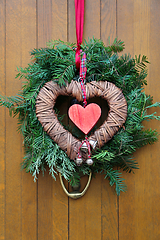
79,13
80,63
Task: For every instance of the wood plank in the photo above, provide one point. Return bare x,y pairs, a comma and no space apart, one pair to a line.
125,32
125,20
44,22
52,202
44,26
125,23
59,20
91,19
85,213
2,121
71,22
139,207
148,223
13,139
141,27
29,188
59,212
110,211
45,217
143,227
108,21
154,52
109,200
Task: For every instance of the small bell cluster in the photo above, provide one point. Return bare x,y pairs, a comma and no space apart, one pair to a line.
86,148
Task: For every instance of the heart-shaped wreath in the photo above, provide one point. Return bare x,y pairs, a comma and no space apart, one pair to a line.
116,79
46,115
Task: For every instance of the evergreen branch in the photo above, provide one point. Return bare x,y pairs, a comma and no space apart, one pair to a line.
157,104
114,68
37,89
129,165
60,43
12,102
117,46
114,177
124,63
139,64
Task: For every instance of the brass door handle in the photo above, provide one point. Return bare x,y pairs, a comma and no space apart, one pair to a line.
72,194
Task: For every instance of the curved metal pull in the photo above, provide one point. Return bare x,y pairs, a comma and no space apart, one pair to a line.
77,194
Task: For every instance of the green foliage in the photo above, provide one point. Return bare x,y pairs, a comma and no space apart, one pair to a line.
57,63
117,46
114,177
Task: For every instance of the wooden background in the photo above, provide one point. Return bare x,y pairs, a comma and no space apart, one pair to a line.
41,210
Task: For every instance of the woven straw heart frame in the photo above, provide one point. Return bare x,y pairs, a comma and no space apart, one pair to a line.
46,100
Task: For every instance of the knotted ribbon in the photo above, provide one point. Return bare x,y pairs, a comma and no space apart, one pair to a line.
79,14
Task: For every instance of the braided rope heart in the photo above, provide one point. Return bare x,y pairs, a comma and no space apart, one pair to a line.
46,100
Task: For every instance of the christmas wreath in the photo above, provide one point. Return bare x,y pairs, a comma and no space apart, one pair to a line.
55,66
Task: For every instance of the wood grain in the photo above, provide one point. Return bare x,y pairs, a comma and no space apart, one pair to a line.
44,22
71,22
125,23
60,200
91,19
44,33
138,213
59,20
125,31
110,210
13,139
53,209
108,21
29,187
84,217
2,121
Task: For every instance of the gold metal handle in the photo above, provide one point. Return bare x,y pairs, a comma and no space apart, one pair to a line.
77,194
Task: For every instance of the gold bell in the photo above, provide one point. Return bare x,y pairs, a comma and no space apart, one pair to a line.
78,161
93,143
89,161
84,147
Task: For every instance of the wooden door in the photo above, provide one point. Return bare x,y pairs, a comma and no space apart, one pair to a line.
41,210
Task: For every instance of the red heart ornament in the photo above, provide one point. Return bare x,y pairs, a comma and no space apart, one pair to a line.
85,118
